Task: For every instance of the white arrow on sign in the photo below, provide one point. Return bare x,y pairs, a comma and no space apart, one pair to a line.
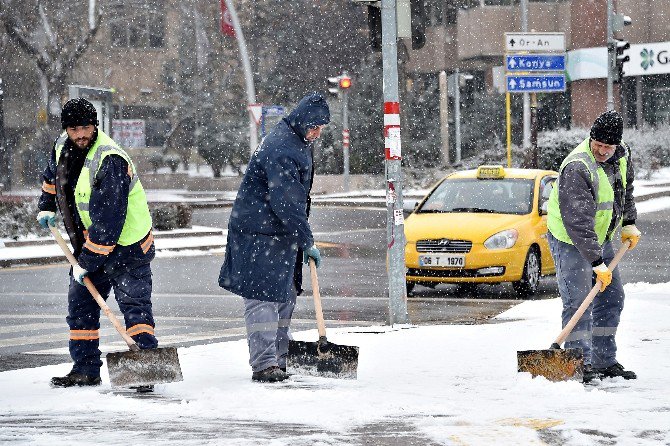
256,111
512,83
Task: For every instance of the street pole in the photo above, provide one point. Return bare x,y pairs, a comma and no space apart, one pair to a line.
611,57
345,136
457,114
526,98
444,116
508,118
533,132
5,174
395,224
248,75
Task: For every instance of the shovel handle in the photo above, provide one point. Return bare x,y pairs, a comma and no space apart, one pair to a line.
132,345
320,323
589,298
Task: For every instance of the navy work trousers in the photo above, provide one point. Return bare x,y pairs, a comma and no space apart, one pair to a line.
596,330
268,331
132,290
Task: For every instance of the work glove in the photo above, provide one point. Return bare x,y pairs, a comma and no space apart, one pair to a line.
312,252
632,234
46,218
604,275
78,274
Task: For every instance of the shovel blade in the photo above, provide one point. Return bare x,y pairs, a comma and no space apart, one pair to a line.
327,360
144,367
553,364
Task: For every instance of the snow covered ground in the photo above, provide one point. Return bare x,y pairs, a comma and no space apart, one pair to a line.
453,385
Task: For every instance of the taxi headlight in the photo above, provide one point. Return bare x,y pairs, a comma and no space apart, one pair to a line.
502,240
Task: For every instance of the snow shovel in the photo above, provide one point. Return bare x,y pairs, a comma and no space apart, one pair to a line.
557,364
136,367
321,358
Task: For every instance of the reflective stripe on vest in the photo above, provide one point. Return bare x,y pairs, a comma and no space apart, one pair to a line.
604,193
138,218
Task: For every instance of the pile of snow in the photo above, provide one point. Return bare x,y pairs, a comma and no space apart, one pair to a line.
454,384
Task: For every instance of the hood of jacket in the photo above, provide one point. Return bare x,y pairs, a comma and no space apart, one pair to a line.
311,111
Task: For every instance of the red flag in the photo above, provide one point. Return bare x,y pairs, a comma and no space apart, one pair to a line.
226,21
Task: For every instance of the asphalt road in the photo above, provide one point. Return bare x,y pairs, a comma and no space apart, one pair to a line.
191,309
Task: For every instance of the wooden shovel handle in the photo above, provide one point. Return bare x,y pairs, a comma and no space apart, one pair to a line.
132,345
320,323
589,298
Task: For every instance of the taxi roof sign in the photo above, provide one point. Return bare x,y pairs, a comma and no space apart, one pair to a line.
491,172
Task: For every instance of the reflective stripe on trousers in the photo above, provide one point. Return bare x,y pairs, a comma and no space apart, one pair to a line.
268,333
596,329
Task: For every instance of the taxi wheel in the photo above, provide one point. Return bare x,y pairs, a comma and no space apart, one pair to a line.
530,279
410,288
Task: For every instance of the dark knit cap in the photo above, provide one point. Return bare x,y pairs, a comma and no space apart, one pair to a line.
78,111
608,128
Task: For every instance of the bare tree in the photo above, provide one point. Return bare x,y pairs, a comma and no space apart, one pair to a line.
51,34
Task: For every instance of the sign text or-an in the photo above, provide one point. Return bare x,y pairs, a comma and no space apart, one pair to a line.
534,42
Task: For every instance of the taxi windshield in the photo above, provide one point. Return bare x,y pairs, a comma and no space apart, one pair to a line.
506,196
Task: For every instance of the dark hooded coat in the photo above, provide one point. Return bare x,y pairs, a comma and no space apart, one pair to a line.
268,227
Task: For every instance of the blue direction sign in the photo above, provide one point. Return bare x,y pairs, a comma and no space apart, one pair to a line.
541,83
535,62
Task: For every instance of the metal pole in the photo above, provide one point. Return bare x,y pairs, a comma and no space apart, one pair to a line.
526,97
611,55
508,116
639,115
457,114
444,116
248,75
533,130
395,224
5,174
345,137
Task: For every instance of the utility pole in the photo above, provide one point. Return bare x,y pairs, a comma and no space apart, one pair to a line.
395,224
610,52
5,174
523,4
248,75
444,116
457,115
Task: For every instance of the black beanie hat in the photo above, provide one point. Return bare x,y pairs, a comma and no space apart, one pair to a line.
608,128
78,111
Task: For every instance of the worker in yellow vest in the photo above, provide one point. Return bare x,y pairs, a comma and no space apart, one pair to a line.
593,197
94,185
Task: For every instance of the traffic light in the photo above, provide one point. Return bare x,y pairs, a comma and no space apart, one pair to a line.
339,84
334,85
620,58
418,8
616,48
418,24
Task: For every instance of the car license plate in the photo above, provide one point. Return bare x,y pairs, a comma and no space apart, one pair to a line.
449,261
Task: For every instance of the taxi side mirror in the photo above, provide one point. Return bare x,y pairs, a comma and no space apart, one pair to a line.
544,208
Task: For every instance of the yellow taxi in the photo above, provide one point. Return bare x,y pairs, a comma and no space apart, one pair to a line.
487,225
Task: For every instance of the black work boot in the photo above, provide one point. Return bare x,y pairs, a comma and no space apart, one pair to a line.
75,379
616,370
144,389
589,374
270,375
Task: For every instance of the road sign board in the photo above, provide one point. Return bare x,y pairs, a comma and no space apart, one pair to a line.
535,62
541,83
273,110
534,42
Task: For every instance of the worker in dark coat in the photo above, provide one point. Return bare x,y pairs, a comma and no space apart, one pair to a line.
269,236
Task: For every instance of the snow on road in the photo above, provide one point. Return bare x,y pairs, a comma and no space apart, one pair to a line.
449,384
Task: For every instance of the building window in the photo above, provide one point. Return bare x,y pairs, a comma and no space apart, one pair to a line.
137,23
